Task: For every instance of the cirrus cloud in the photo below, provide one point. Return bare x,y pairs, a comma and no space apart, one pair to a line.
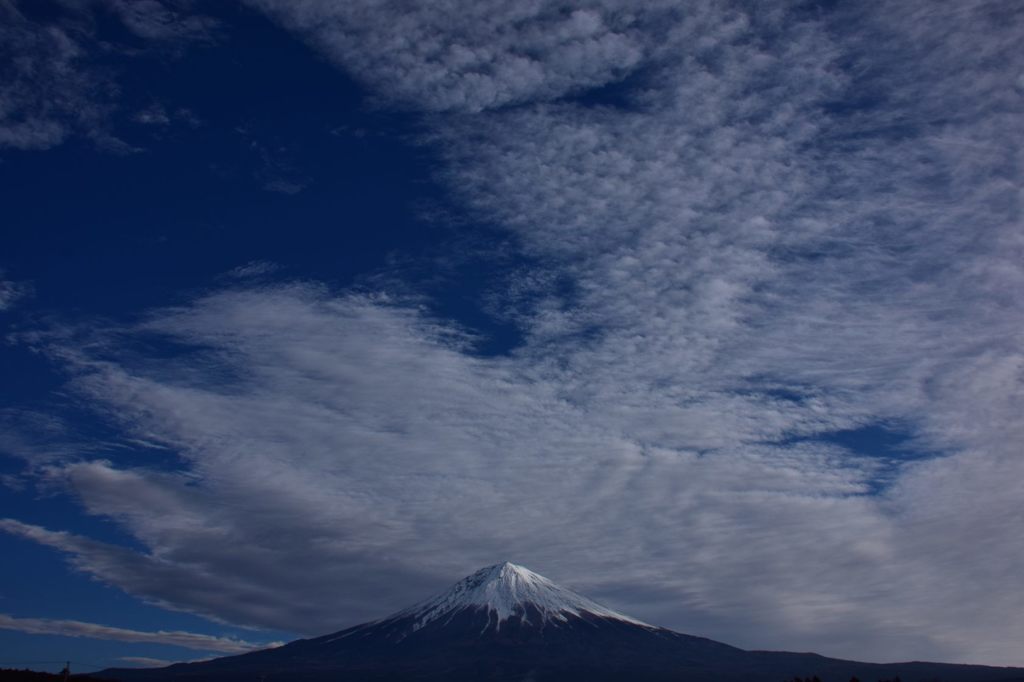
792,225
75,628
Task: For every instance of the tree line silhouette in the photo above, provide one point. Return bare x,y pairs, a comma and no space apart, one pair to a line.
852,679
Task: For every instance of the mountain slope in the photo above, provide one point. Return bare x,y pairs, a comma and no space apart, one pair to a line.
501,590
505,622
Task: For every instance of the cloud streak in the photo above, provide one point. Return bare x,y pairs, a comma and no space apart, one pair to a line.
75,628
12,292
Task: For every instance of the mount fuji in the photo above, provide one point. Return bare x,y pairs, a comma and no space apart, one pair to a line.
505,622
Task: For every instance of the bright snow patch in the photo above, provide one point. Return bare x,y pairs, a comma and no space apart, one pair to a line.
506,589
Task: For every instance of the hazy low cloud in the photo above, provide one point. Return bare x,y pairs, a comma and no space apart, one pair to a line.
145,661
75,628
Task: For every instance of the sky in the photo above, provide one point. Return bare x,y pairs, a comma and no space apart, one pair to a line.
712,311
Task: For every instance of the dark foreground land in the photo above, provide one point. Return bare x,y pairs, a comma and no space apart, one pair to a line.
13,675
585,649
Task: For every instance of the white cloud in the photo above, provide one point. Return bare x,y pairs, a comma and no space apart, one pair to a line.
358,442
34,60
75,628
53,79
35,437
462,56
154,115
254,268
163,20
757,257
12,292
145,661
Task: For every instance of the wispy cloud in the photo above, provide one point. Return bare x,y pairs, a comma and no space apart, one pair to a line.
785,225
54,80
11,292
75,628
164,20
145,661
459,56
281,186
41,76
255,268
153,115
351,430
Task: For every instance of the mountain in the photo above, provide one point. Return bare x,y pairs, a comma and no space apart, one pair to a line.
505,622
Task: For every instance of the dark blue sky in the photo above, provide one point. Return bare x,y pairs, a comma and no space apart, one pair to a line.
102,234
311,309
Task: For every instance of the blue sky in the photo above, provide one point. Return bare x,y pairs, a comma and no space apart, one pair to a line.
711,311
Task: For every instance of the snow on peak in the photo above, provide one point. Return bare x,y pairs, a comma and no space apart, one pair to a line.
505,589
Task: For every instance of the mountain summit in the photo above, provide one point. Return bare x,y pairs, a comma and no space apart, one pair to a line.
505,591
505,622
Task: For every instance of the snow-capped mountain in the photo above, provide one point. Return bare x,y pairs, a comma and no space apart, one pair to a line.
506,591
505,622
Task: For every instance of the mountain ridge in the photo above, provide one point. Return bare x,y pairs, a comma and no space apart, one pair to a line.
505,622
